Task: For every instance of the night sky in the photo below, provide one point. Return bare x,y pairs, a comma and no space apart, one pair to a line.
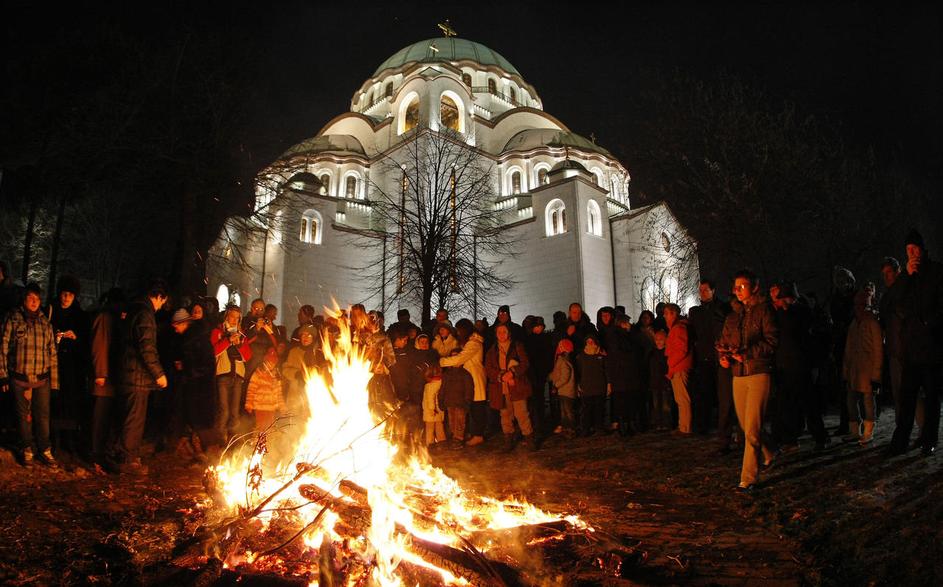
874,73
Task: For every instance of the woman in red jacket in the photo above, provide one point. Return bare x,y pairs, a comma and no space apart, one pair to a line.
680,362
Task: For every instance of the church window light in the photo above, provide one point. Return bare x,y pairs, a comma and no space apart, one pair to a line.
593,218
512,94
237,299
389,90
492,86
466,79
311,224
368,100
448,114
555,218
325,184
411,118
515,182
351,187
542,174
222,295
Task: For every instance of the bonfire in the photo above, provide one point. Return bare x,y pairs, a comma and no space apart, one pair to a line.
350,505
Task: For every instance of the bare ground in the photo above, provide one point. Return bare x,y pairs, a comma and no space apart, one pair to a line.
847,516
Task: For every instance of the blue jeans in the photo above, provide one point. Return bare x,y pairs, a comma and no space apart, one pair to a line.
228,408
38,408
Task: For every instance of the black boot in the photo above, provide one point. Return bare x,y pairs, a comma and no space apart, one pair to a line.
509,442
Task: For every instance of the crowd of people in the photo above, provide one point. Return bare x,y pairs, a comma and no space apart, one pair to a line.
756,371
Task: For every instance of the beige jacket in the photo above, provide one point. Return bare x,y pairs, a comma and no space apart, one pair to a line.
863,353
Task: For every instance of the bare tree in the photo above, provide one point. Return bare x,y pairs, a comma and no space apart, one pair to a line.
445,238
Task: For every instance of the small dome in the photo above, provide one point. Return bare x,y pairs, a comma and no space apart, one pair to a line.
447,50
549,137
305,178
335,144
568,164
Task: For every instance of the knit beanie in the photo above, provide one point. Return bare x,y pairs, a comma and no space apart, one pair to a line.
914,238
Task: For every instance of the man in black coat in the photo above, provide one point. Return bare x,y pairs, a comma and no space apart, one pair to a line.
710,379
141,372
578,327
795,394
921,311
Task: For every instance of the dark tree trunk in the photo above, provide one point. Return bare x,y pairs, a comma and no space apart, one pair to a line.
28,241
56,238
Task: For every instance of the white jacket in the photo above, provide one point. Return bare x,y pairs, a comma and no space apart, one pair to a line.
471,358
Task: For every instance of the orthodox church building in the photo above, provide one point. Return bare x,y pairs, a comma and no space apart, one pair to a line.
565,200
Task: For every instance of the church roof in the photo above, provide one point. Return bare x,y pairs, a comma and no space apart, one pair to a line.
449,49
336,144
569,164
539,137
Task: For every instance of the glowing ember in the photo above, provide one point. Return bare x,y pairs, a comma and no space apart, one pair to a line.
345,464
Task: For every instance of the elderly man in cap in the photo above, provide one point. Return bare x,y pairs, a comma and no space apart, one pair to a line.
920,307
29,366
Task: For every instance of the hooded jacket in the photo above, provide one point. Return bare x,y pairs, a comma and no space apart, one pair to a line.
751,330
471,358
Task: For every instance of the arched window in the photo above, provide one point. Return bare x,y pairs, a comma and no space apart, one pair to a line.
222,295
236,299
555,218
492,86
311,224
512,94
389,90
325,184
515,182
593,218
350,188
466,79
448,114
595,177
411,117
542,171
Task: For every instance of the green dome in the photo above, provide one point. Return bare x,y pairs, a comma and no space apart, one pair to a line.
533,138
449,49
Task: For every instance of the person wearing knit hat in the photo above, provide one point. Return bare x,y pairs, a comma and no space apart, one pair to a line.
920,306
179,317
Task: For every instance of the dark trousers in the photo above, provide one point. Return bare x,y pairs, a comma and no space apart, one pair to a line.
726,415
101,426
37,409
797,404
703,395
537,406
135,417
662,400
477,418
913,379
592,415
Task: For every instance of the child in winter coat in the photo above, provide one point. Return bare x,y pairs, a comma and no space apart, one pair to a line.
563,378
659,385
457,392
433,417
593,385
264,396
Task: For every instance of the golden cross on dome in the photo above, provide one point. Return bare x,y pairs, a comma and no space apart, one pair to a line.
447,29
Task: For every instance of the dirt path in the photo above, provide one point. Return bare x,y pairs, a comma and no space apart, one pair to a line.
847,516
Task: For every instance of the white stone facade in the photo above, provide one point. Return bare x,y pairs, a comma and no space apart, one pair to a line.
608,254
